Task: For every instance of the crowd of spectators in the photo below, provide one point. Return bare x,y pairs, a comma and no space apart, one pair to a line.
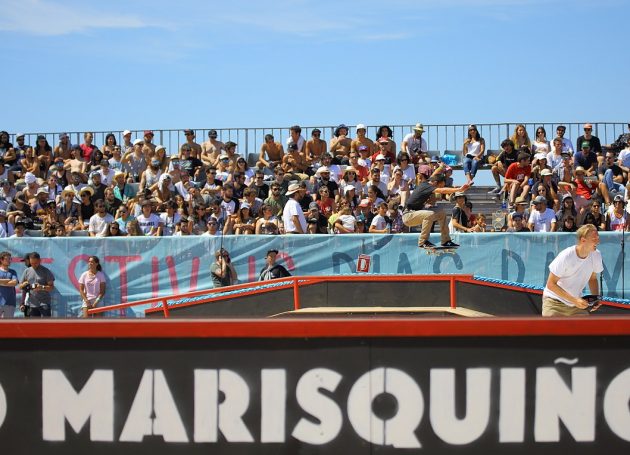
550,186
346,185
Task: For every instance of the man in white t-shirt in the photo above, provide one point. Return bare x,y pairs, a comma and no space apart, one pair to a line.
100,220
567,145
148,222
570,272
292,214
542,218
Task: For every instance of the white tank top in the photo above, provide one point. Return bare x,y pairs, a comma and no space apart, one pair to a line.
473,148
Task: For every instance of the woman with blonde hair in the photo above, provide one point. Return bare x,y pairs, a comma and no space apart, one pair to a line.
520,137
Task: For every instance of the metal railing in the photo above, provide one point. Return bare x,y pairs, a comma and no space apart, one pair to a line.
439,137
165,303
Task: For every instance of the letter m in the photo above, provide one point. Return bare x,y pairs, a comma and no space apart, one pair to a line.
94,402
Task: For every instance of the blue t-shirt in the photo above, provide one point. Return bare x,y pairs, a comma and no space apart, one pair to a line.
7,293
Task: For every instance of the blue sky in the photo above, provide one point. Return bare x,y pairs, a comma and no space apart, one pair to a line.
88,65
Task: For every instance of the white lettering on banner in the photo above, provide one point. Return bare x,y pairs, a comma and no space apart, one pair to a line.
512,405
616,409
3,405
95,402
443,419
221,398
556,402
210,416
273,399
397,431
319,406
153,412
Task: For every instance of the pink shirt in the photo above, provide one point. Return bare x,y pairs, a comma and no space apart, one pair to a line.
92,283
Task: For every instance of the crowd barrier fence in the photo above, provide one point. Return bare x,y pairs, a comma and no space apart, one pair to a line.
140,268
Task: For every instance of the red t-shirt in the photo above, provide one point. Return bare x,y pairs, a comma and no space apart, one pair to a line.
583,189
86,151
326,206
515,172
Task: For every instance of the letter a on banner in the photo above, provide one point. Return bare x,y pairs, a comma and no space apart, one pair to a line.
363,263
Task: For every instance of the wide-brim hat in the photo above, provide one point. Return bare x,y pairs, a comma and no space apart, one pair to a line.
89,189
293,188
68,190
339,128
419,127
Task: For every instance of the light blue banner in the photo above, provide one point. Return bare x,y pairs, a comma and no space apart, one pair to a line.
139,268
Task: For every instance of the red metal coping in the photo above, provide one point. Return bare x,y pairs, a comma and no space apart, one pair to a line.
317,328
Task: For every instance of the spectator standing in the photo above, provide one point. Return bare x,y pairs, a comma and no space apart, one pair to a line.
272,270
222,270
41,282
92,284
292,215
8,281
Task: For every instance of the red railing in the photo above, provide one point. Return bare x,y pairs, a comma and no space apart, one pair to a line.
294,283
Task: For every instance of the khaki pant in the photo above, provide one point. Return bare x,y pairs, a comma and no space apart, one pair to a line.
553,307
426,218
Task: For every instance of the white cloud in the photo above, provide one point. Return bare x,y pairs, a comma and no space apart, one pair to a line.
45,18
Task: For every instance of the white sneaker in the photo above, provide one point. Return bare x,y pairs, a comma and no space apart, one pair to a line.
495,190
